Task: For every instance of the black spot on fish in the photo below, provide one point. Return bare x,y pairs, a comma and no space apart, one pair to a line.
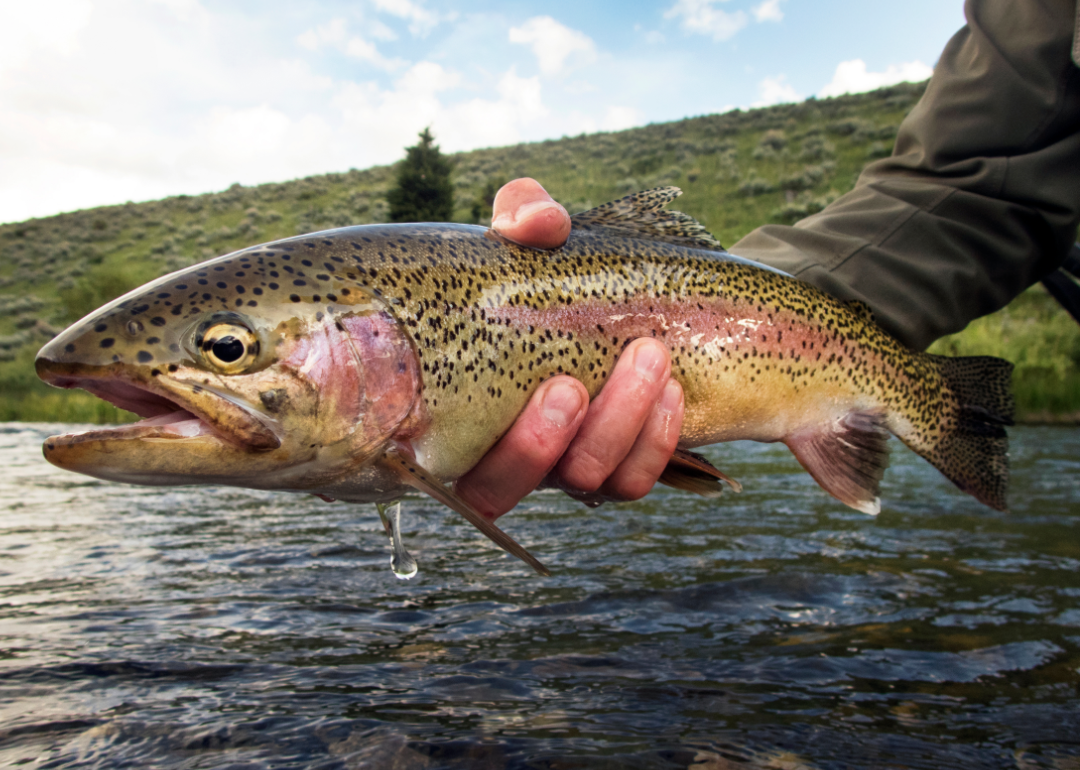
153,340
69,348
294,297
101,327
157,321
108,342
274,287
145,357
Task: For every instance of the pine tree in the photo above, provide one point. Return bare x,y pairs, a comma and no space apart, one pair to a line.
424,192
485,201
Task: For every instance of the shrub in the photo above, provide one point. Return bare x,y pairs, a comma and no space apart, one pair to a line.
816,148
755,185
878,150
803,180
773,139
850,127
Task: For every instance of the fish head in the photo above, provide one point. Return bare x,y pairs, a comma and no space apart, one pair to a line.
270,368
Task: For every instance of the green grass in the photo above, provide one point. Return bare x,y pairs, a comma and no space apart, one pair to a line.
737,171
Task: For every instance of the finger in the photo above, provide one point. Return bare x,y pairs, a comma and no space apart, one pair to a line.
615,417
526,214
523,457
639,471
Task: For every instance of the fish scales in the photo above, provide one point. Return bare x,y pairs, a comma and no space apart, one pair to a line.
373,359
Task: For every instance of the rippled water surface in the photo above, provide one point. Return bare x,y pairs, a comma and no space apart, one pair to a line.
222,628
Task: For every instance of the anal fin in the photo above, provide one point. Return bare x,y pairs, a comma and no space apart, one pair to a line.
412,474
691,472
847,457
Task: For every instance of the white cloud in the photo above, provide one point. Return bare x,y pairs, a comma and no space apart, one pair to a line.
335,34
702,18
52,27
361,49
775,90
385,116
81,126
554,44
379,31
769,10
617,118
852,77
421,20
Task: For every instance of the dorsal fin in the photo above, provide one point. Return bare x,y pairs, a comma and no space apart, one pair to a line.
643,215
861,309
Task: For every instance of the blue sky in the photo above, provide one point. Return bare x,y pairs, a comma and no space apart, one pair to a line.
104,101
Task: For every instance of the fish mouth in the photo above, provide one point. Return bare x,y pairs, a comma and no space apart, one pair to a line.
171,410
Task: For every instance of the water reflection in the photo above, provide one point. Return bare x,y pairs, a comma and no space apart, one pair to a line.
228,628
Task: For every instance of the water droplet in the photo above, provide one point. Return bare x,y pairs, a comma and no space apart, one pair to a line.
401,561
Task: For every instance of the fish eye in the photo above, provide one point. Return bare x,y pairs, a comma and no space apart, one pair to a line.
229,347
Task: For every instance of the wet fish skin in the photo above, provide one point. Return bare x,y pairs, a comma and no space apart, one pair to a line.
390,357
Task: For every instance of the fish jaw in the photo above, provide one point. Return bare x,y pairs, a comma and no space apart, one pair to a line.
186,435
311,419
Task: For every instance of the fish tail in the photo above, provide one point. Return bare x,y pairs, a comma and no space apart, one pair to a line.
969,444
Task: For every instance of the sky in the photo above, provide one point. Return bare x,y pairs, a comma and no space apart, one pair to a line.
106,101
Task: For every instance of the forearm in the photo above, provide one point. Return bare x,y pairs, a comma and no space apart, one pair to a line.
982,195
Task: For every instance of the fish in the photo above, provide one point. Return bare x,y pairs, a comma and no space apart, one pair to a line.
367,362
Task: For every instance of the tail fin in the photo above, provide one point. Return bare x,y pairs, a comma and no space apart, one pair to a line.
972,446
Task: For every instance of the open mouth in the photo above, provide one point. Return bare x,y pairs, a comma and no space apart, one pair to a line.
172,410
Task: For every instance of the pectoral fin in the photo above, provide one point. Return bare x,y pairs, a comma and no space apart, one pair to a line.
691,472
847,457
415,476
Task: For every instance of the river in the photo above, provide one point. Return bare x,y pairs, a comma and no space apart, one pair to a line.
226,628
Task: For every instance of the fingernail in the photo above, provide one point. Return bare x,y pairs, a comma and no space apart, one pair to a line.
650,361
526,211
562,402
502,222
672,398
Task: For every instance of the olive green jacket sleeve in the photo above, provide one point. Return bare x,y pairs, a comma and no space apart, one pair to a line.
981,197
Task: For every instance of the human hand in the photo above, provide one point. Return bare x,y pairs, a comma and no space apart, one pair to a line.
612,449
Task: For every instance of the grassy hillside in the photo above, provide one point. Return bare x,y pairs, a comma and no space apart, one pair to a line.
737,171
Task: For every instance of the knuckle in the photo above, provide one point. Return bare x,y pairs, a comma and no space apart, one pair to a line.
583,473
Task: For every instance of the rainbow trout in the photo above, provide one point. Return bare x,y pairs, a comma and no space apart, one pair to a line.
362,363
